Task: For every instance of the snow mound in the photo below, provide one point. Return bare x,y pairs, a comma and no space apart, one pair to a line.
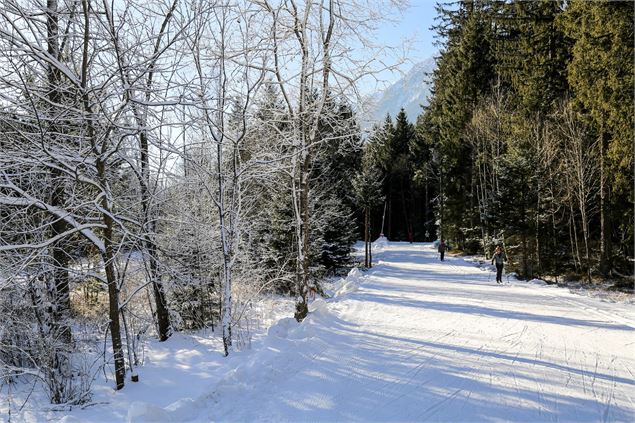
185,409
139,412
346,288
354,278
536,281
355,275
380,244
319,306
281,329
301,332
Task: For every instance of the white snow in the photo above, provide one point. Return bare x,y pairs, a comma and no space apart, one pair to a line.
413,339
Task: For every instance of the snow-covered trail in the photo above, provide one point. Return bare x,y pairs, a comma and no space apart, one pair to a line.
413,339
423,340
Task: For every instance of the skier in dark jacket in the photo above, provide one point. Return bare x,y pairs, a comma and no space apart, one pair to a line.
442,249
500,258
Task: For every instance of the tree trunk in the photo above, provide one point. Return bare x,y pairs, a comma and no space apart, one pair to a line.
302,221
163,316
573,243
370,246
389,231
226,250
481,200
149,225
306,245
108,255
604,232
441,235
525,261
413,210
472,190
404,206
111,278
575,238
537,232
113,309
585,233
60,286
366,237
227,306
426,214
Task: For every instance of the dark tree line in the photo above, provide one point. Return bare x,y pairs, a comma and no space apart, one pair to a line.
391,155
529,133
527,140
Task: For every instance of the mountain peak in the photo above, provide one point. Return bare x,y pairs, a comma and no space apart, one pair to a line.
409,93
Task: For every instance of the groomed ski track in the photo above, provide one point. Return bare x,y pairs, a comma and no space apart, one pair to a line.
416,339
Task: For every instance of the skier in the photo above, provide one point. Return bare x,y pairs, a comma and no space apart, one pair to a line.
500,258
442,249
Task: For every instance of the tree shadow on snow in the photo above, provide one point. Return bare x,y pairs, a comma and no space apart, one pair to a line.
487,311
364,376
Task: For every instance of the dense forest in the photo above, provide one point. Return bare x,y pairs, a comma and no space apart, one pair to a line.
527,140
163,167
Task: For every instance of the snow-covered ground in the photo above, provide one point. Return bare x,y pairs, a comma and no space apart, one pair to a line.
413,339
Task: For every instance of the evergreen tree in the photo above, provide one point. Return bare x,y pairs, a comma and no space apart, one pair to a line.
391,148
272,247
601,75
378,147
500,134
367,185
401,172
464,74
531,52
337,161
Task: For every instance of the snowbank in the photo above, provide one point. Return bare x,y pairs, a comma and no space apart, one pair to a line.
285,343
380,244
414,339
350,283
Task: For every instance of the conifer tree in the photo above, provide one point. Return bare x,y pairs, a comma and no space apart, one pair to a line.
531,52
601,76
390,147
464,74
337,160
367,185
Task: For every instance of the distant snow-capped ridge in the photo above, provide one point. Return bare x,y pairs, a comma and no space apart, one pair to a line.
409,93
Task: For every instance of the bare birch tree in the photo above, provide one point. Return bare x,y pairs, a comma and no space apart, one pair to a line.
75,129
229,61
581,169
141,68
312,63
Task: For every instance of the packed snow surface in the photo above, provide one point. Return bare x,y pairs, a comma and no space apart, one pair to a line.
413,339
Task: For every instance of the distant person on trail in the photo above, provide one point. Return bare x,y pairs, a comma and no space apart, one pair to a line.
442,249
500,258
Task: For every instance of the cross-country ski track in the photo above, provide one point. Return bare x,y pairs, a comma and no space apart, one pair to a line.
416,339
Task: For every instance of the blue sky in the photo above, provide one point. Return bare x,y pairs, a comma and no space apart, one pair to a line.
411,24
415,22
